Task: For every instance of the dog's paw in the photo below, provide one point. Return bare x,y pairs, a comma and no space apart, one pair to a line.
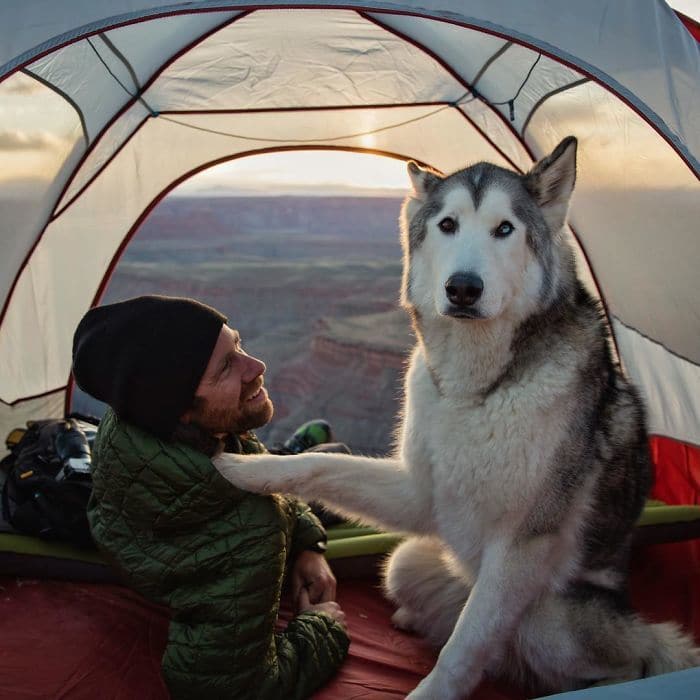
240,471
403,619
423,692
226,461
437,686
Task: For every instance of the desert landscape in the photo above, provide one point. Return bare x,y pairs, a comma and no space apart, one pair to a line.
311,283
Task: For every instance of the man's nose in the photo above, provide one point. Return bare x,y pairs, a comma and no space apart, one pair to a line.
254,368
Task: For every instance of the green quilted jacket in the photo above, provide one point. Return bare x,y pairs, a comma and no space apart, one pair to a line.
185,537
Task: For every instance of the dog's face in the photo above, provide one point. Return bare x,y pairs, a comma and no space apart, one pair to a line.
479,244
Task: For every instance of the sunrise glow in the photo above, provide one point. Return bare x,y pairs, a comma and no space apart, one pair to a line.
286,171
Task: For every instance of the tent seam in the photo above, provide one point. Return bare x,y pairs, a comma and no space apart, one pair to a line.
65,96
656,342
22,399
58,213
127,64
490,61
136,96
447,66
544,98
264,139
128,105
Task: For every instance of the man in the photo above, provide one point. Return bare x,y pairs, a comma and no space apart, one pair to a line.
180,387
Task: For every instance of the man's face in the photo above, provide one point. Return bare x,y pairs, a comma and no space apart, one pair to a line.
230,397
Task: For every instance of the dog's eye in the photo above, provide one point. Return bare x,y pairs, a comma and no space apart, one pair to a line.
505,228
448,225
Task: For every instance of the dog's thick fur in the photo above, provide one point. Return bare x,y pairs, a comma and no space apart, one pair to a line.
523,461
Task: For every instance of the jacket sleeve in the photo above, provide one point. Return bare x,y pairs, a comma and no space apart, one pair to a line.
308,529
222,639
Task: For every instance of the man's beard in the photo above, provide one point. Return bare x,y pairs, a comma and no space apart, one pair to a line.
231,419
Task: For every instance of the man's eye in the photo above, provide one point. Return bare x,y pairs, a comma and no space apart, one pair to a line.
504,229
448,225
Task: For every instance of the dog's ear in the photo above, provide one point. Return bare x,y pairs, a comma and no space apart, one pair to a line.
423,180
551,182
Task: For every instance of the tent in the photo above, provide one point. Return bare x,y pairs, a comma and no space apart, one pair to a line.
148,94
107,105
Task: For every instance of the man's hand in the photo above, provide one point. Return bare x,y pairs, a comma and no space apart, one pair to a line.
331,608
312,574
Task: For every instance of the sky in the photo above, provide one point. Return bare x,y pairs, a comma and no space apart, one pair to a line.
292,171
33,142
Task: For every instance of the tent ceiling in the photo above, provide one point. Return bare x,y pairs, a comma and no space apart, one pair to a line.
147,99
609,39
319,59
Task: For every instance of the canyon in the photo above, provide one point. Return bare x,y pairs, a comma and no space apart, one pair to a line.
312,285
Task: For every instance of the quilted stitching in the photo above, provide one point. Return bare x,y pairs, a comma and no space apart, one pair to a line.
216,555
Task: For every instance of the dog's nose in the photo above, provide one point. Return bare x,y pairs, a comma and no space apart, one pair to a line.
464,288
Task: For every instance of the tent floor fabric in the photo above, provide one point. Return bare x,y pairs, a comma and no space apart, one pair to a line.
88,641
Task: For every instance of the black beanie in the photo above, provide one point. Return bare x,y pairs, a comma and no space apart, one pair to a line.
145,357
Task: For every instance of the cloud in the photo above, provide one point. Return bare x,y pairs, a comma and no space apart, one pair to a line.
21,84
27,140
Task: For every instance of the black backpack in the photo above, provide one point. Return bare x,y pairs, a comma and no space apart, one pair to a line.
48,482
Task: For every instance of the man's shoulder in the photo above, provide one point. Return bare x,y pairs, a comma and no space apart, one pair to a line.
134,449
116,435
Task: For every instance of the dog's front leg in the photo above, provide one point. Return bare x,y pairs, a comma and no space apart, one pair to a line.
381,491
510,578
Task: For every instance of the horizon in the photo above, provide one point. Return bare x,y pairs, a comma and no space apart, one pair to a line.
302,172
348,192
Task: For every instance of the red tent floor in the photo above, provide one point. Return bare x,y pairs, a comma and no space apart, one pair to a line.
79,641
83,641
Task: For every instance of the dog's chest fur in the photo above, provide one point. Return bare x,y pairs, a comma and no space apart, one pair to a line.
489,456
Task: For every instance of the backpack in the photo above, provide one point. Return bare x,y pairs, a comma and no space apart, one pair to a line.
48,482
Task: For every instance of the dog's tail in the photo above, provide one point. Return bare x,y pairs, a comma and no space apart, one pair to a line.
669,649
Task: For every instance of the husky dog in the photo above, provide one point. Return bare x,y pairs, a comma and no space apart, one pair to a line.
523,462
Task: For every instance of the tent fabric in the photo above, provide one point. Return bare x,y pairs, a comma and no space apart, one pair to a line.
659,372
111,640
569,34
682,685
106,105
679,481
138,96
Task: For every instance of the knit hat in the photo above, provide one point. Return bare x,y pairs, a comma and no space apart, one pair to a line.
145,357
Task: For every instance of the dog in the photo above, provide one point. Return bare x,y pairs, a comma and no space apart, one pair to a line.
522,464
